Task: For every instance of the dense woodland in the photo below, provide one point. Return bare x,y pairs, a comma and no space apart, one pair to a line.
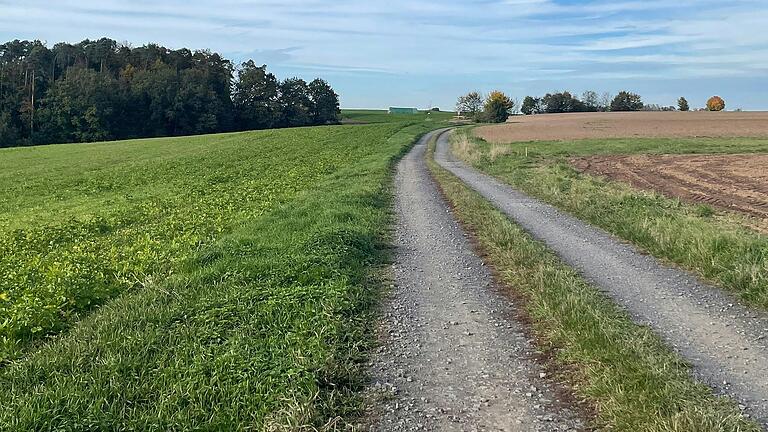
104,90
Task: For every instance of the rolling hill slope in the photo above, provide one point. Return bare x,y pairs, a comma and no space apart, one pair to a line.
216,282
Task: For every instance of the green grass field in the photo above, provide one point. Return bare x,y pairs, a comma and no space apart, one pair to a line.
628,378
716,246
215,282
382,116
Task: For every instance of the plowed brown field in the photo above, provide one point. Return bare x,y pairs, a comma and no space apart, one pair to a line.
733,182
555,127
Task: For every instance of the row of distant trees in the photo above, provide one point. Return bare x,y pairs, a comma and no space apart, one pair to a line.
104,90
590,101
489,109
715,103
497,106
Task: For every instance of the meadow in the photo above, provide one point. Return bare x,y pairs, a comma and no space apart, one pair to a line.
720,246
214,282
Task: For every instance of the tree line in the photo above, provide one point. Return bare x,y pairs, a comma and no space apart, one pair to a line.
105,90
496,107
590,101
564,102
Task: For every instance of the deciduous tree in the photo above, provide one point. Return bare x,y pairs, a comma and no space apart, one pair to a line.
470,104
497,107
591,100
605,101
715,103
563,102
531,105
255,97
84,106
626,101
325,102
295,104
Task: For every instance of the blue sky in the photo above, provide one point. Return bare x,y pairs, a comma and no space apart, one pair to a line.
422,52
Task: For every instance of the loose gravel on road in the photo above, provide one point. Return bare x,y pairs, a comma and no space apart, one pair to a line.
726,343
453,358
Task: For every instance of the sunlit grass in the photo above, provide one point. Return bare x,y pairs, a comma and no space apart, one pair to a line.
249,307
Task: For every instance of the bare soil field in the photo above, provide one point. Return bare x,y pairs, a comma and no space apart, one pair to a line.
572,126
733,182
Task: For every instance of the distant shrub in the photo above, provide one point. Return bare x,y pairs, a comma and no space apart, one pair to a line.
715,103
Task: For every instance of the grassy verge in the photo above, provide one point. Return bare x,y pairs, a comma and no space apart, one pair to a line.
263,328
633,381
717,247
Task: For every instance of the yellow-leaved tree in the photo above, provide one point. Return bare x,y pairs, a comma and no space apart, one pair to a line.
497,107
715,103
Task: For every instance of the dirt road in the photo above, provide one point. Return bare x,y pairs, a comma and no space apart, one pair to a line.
725,342
453,358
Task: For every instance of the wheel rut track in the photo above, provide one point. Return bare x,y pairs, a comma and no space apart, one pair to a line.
452,359
725,342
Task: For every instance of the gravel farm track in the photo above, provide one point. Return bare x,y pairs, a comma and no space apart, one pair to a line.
453,357
725,342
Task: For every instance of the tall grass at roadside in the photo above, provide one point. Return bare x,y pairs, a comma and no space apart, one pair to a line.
265,328
625,372
716,248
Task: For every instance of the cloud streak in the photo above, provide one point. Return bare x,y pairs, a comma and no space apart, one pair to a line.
506,43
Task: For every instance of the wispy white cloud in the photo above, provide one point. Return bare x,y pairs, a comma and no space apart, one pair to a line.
501,41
